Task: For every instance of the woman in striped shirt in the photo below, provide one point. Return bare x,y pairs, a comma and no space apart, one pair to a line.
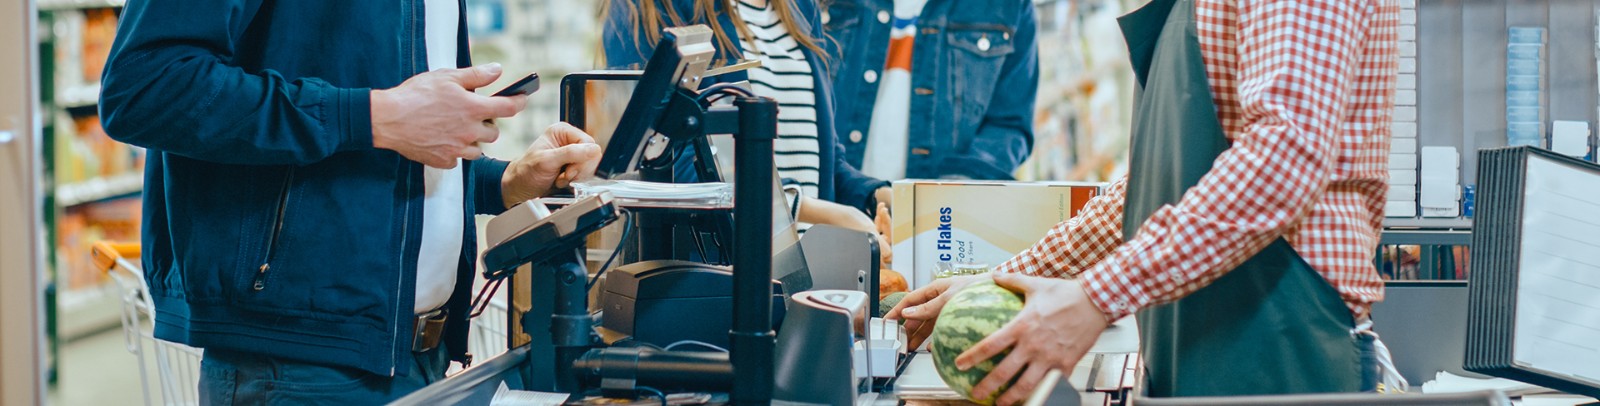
782,35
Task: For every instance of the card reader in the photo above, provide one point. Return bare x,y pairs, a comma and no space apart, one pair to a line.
529,232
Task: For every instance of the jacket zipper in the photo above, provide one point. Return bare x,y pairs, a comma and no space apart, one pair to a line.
260,281
399,282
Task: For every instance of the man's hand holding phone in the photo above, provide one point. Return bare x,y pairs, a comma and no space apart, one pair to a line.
436,119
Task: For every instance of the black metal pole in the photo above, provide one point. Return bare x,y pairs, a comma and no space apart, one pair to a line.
752,337
571,329
627,367
654,239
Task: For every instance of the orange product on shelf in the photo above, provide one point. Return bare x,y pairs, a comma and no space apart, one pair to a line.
106,157
99,30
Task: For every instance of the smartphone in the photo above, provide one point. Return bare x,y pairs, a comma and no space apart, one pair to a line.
525,86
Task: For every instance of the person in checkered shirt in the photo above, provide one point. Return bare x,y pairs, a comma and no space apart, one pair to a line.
1302,91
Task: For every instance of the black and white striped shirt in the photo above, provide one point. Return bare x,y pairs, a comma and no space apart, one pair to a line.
785,76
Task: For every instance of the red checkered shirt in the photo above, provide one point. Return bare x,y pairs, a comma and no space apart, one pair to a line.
1305,93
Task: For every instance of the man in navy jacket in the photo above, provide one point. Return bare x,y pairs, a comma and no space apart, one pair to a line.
284,208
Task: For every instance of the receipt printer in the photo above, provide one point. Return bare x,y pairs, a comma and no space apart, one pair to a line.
664,302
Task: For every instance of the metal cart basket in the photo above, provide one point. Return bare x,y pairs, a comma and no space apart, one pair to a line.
176,367
169,373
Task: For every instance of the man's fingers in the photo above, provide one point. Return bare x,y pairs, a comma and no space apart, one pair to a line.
919,331
587,167
1014,282
1026,384
469,152
992,345
911,307
1002,373
486,134
439,162
565,134
477,76
555,161
498,107
926,311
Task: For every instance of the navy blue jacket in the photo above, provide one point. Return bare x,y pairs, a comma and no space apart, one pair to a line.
840,182
271,224
974,75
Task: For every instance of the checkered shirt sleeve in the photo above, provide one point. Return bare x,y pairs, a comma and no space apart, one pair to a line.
1074,245
1303,90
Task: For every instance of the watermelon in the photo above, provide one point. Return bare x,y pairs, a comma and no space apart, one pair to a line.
975,312
888,302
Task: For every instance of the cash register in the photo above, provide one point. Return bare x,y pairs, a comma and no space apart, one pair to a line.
664,117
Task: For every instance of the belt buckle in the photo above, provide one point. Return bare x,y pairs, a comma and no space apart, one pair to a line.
428,330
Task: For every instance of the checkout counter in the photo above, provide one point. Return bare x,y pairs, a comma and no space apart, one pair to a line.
694,273
624,345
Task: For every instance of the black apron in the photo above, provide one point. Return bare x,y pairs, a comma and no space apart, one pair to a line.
1273,325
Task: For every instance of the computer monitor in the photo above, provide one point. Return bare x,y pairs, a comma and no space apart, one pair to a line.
679,61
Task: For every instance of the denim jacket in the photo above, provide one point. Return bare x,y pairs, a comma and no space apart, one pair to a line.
842,183
974,73
271,224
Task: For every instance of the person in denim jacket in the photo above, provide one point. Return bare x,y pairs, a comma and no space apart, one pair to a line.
934,88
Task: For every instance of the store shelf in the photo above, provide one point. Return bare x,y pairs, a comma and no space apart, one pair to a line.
87,311
98,189
54,5
1426,237
1459,223
78,96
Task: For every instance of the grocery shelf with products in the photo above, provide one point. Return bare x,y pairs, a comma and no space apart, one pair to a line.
1085,102
91,180
1477,75
551,37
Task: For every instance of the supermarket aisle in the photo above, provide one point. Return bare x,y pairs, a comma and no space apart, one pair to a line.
97,370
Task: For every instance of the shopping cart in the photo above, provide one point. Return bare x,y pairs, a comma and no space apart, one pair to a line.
487,337
176,366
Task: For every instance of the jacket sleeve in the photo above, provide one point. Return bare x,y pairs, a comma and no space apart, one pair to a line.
172,84
487,173
1004,137
850,186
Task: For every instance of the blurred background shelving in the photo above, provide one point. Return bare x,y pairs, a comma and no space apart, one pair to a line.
91,181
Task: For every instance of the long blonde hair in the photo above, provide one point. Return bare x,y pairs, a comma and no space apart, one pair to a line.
647,15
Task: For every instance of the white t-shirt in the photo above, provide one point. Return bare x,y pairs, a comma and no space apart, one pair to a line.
888,138
443,204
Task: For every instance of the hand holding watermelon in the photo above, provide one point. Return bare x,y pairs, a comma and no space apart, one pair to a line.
1055,328
919,310
970,316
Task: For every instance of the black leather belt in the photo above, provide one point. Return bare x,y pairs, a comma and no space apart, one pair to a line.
429,330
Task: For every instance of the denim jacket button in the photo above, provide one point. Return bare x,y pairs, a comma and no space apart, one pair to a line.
883,16
983,44
855,136
827,16
871,76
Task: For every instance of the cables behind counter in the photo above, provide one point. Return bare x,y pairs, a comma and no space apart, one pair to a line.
627,233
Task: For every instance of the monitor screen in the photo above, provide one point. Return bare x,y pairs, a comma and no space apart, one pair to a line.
679,61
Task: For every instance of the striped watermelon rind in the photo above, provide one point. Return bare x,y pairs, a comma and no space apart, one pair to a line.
971,315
